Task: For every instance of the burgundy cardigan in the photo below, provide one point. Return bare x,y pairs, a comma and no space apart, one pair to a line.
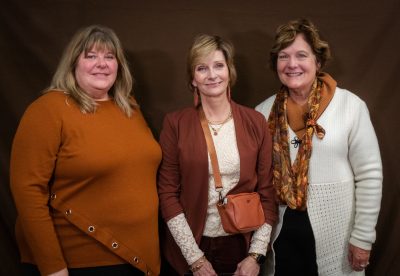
183,175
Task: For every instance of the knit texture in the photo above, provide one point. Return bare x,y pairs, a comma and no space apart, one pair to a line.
103,166
345,183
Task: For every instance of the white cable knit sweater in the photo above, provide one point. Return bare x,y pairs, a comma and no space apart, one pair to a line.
345,183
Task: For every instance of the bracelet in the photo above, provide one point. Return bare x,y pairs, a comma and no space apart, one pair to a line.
254,256
199,264
259,258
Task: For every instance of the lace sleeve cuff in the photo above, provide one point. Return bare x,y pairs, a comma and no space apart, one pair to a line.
183,236
260,239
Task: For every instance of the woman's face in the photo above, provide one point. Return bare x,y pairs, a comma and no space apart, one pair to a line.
96,72
211,75
297,66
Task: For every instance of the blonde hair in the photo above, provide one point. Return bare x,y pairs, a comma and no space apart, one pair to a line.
202,46
287,33
100,38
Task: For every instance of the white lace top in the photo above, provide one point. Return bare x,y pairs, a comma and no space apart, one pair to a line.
229,165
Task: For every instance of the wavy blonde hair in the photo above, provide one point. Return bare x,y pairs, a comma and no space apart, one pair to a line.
84,40
202,46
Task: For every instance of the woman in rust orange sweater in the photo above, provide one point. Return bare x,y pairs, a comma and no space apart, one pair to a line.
83,169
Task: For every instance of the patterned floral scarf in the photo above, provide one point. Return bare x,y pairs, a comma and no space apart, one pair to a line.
291,182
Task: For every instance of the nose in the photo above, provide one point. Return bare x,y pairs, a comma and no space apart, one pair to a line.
101,62
212,74
292,62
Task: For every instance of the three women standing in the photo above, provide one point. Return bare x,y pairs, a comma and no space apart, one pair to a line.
78,196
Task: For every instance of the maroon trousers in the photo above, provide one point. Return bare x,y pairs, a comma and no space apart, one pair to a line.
224,253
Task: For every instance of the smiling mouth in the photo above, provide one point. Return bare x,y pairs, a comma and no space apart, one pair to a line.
214,83
294,74
101,75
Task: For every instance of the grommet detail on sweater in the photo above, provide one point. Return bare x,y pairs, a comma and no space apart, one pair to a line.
136,259
91,228
68,121
53,196
114,245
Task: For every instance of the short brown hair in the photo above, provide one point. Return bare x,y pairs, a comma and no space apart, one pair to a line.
202,46
287,33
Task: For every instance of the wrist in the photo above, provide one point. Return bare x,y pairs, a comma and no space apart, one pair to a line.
198,264
258,258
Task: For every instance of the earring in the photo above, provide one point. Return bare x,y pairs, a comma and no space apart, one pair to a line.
228,93
196,99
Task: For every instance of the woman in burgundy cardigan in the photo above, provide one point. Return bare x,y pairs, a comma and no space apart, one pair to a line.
195,239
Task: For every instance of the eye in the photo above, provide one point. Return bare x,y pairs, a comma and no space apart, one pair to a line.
201,68
220,65
110,56
90,56
283,57
302,55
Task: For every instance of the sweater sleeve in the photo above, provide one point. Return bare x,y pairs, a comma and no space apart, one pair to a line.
183,236
33,157
260,239
169,173
366,163
264,176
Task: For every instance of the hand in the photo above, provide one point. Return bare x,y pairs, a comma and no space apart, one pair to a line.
62,272
248,267
358,257
206,268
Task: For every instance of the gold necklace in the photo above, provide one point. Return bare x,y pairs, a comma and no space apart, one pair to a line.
217,129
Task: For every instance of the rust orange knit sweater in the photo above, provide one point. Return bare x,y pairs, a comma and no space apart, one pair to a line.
85,187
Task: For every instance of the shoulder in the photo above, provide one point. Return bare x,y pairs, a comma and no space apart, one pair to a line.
51,103
247,113
348,101
180,114
53,96
180,123
346,95
47,113
265,106
251,121
185,116
53,100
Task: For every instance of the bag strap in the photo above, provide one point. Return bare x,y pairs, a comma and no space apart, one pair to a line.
211,151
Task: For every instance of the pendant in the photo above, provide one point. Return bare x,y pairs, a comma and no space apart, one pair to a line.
215,133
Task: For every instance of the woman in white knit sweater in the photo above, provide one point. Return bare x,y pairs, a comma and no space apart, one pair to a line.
327,165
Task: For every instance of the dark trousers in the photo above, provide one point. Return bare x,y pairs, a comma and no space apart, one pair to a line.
110,270
295,246
224,253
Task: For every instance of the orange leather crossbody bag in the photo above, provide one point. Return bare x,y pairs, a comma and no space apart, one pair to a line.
240,213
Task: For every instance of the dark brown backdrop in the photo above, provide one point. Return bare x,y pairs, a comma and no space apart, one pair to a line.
156,34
